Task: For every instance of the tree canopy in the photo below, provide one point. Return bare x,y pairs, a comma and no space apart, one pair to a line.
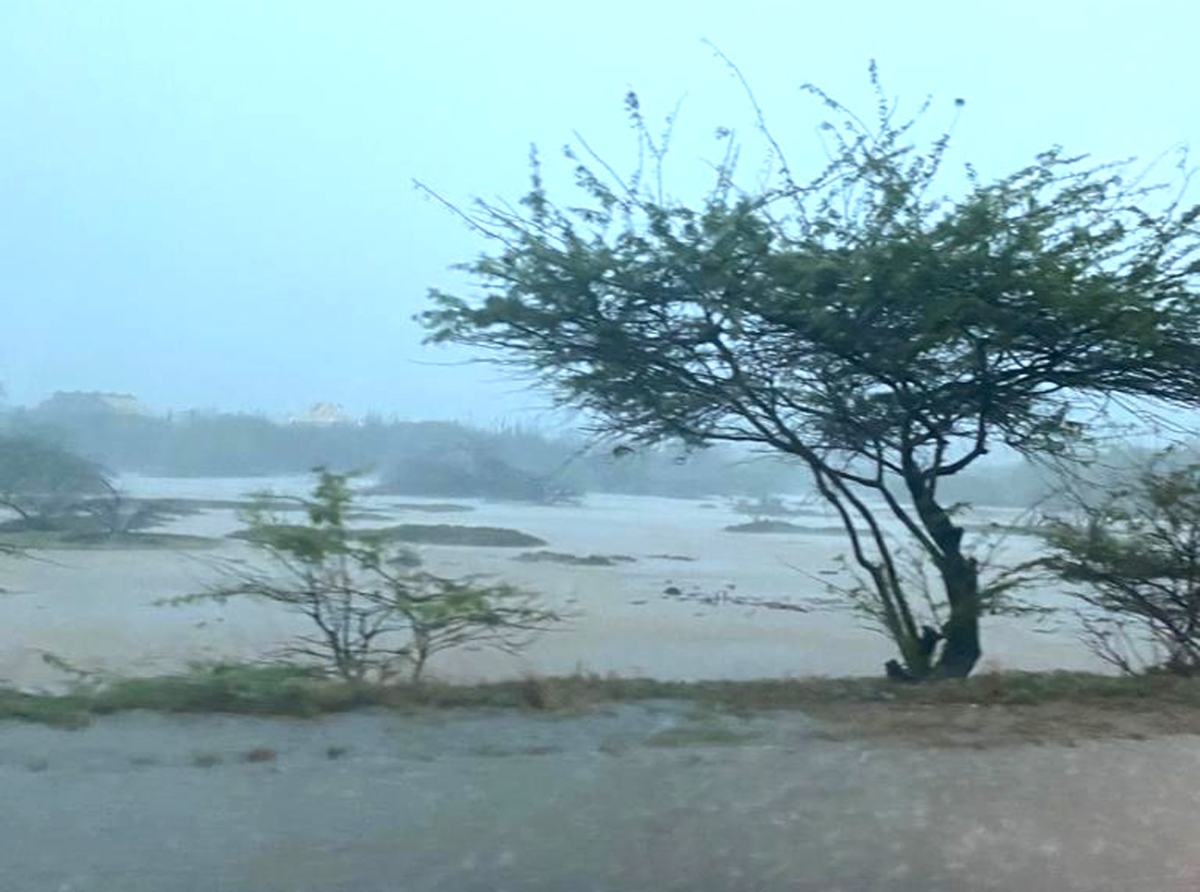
371,610
885,335
1132,558
40,479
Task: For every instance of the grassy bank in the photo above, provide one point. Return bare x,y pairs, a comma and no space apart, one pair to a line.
1060,702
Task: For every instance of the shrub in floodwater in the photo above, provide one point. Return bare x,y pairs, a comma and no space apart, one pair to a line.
375,613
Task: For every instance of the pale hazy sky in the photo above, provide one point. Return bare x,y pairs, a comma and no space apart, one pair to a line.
209,204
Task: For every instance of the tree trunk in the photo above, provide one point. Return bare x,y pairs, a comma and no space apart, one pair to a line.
961,650
960,577
8,503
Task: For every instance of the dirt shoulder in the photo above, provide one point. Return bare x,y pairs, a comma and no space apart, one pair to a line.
985,711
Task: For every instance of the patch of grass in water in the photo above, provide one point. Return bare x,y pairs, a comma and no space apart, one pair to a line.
432,534
782,526
432,507
56,540
454,534
574,560
266,504
59,711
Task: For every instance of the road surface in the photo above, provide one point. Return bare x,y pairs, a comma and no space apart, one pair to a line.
652,796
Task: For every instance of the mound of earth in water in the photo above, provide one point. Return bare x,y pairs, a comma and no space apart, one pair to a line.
433,534
575,560
455,534
764,525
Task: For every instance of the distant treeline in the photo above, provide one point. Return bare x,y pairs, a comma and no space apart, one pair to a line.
417,458
435,458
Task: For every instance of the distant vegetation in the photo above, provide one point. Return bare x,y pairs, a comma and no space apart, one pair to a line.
423,459
768,506
433,507
50,497
419,534
574,560
66,540
452,460
767,525
455,534
42,482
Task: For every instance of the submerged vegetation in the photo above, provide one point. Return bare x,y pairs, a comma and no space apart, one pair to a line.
426,534
574,560
62,540
763,525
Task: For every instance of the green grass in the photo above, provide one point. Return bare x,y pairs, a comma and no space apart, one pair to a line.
765,525
454,534
251,690
60,711
574,560
432,507
282,690
426,534
57,540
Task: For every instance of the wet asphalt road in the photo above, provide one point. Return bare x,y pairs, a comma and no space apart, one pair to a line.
650,797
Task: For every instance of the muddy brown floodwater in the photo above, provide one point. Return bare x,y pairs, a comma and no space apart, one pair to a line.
95,608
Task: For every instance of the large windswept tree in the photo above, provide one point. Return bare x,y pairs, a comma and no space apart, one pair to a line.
883,334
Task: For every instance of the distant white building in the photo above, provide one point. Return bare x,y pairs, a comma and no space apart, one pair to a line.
322,414
81,402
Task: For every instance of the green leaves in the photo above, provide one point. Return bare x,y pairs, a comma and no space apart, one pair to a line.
40,476
1134,558
372,609
856,320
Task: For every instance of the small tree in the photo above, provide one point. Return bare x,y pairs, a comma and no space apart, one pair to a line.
1133,559
44,483
374,611
116,515
882,335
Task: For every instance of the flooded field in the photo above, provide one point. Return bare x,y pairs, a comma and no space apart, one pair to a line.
96,610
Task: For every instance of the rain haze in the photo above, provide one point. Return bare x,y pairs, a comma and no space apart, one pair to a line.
870,568
212,205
